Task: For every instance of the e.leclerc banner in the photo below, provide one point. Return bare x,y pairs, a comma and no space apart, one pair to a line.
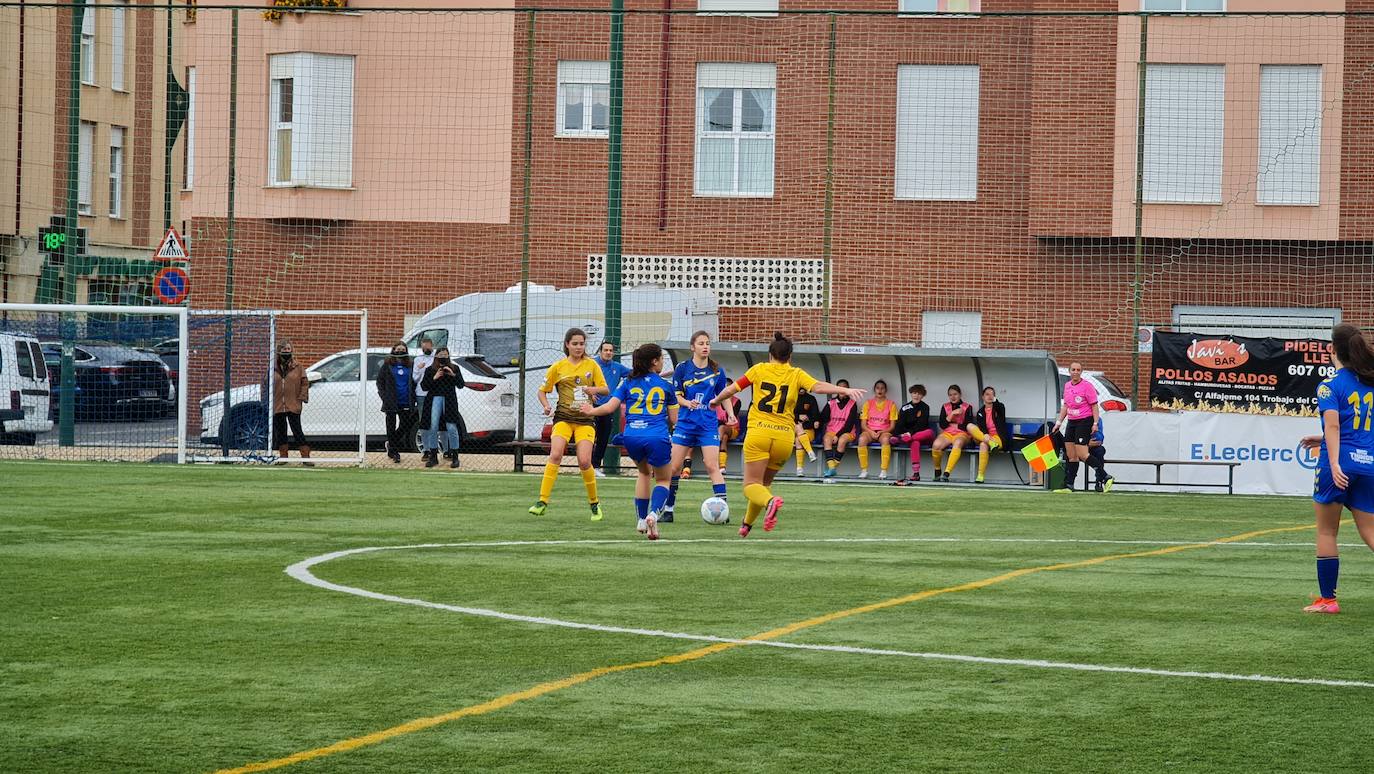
1238,374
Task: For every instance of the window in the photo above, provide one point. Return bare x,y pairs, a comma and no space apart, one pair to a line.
117,171
343,368
1184,107
25,356
735,122
40,365
311,120
937,6
84,172
437,336
1290,134
188,164
498,345
937,132
117,17
956,330
1183,5
88,46
755,7
584,98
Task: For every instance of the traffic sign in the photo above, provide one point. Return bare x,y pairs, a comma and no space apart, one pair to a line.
172,248
172,285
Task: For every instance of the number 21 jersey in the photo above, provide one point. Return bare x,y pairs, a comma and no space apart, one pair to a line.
776,387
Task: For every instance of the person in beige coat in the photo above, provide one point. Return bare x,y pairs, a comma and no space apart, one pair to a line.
290,393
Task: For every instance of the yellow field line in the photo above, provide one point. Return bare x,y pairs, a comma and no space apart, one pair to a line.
501,702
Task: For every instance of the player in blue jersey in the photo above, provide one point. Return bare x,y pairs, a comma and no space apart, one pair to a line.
651,408
698,381
1345,465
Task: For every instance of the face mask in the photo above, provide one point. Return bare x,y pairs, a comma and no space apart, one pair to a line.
443,361
284,357
398,354
426,350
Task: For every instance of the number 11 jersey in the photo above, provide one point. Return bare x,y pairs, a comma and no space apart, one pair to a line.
776,387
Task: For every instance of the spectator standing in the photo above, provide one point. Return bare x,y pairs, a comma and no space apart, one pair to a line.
607,425
290,393
442,381
396,388
429,445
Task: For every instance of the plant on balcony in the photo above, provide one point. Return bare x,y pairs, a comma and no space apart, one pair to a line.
273,14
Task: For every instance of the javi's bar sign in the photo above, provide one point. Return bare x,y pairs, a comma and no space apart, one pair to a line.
1238,374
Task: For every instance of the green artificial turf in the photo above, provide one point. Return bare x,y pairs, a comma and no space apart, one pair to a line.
149,626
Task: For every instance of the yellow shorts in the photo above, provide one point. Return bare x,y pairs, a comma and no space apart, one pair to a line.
846,437
775,446
954,435
574,434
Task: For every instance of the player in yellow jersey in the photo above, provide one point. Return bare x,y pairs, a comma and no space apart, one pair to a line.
575,378
772,425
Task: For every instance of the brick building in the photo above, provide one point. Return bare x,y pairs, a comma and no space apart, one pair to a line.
955,178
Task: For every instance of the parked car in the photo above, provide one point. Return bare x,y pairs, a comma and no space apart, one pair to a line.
23,390
114,383
487,406
169,352
1109,396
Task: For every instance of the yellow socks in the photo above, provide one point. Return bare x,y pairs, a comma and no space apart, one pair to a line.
759,497
724,457
863,456
589,481
982,465
886,455
977,434
937,455
954,455
550,477
751,513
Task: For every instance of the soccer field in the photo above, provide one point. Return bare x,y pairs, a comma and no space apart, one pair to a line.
151,625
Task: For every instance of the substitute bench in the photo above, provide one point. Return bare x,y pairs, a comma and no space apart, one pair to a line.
1159,472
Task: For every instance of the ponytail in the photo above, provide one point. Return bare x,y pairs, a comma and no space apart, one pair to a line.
642,361
1354,352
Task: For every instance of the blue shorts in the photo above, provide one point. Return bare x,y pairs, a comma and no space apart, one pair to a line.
1357,496
655,450
685,435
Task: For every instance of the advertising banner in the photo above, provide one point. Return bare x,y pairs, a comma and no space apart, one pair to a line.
1237,374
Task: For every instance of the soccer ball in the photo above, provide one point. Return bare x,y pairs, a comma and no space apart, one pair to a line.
715,511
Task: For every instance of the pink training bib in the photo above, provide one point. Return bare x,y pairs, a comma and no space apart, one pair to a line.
879,415
839,417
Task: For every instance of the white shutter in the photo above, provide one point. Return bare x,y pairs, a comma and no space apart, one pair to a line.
85,172
324,125
757,7
1184,121
937,132
1290,134
117,17
962,330
736,75
190,173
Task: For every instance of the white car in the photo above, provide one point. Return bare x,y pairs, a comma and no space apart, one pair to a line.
486,405
24,390
1109,396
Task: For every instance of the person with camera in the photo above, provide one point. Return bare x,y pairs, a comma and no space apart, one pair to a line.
442,381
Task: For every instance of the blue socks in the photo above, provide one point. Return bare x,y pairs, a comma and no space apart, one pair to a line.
641,507
659,498
1328,572
672,492
718,490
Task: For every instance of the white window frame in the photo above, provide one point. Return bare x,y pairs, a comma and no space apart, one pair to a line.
1184,135
118,139
951,330
88,46
738,77
904,9
118,38
1290,142
587,77
85,174
737,7
321,125
943,166
189,163
1284,322
1183,7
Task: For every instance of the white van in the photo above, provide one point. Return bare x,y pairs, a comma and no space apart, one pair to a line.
24,393
488,324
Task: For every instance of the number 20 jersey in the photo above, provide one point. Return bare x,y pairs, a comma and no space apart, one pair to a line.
646,400
776,387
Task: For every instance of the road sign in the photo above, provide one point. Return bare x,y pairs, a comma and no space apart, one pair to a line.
172,285
172,248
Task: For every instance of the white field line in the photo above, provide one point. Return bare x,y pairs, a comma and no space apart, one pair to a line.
301,571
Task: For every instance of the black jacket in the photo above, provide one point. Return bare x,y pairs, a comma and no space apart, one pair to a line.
998,419
446,387
386,387
808,414
947,424
912,417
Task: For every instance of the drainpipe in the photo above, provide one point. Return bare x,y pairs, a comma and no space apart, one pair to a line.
665,46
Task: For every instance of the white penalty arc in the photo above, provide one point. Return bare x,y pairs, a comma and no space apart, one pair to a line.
301,571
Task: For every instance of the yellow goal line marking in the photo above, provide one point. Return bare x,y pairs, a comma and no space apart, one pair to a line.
501,702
